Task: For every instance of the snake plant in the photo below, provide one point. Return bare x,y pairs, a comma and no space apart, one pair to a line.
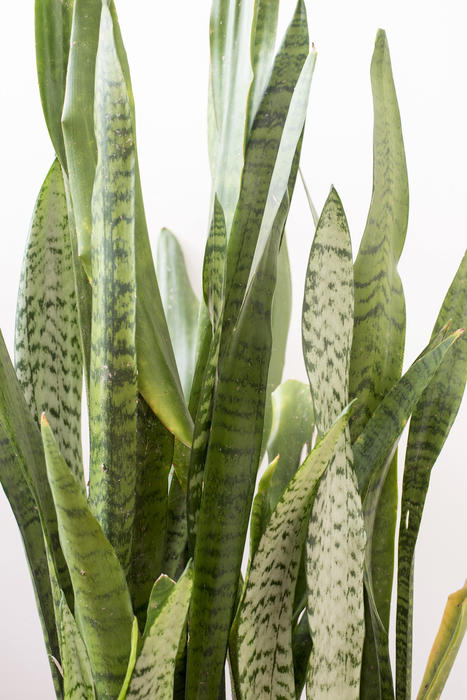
138,569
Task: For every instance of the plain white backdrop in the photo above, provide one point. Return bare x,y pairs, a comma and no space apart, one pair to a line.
167,44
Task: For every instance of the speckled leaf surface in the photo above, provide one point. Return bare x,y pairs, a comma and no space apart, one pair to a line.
48,357
52,34
180,305
429,427
176,545
98,580
78,683
445,647
379,325
336,539
230,473
153,676
266,666
113,377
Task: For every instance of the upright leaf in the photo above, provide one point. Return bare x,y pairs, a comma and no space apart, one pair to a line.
154,452
113,379
180,305
230,473
98,580
154,671
53,30
176,544
336,540
430,425
47,337
379,325
264,630
78,683
446,645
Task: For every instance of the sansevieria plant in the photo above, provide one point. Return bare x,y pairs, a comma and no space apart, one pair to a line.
137,569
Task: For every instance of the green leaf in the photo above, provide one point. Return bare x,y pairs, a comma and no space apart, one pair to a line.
301,650
135,643
266,669
52,34
98,580
175,553
335,545
230,473
113,383
446,645
269,159
78,682
242,39
379,326
47,338
158,378
430,425
154,671
180,305
292,429
154,452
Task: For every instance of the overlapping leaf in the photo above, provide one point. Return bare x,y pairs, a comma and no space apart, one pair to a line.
102,609
113,378
266,668
153,675
180,305
430,425
47,338
78,682
52,34
335,541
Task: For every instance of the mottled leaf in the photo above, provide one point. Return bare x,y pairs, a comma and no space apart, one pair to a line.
153,676
336,540
78,683
176,546
429,427
113,378
266,668
48,357
103,609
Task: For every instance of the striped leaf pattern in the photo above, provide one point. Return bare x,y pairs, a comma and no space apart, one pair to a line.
78,683
180,305
102,608
266,666
153,676
446,645
379,325
47,337
336,540
52,33
113,351
429,427
261,193
176,545
230,473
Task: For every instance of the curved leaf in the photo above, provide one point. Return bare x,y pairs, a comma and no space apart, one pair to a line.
153,675
52,33
98,581
430,425
266,669
446,645
47,337
335,545
180,305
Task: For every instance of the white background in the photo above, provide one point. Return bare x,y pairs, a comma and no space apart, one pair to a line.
167,45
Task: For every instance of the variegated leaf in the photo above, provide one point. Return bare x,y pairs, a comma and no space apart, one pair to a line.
78,682
336,540
265,661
